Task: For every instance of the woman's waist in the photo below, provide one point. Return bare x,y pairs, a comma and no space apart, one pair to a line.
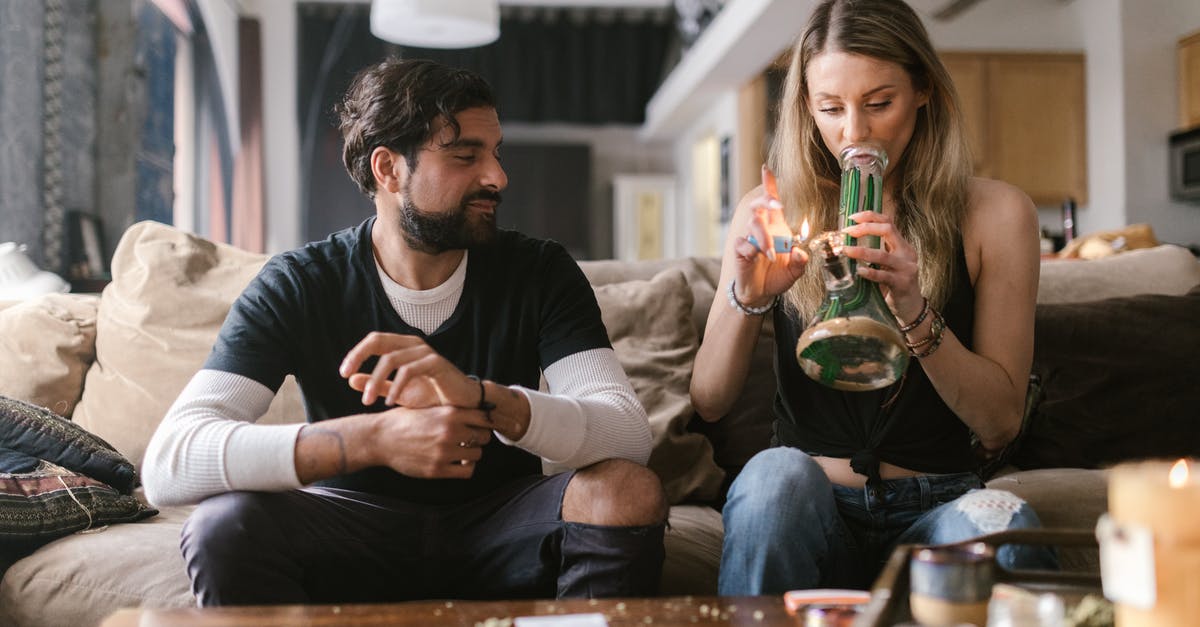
840,473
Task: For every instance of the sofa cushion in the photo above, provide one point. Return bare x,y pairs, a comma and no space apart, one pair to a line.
1118,381
692,542
46,346
82,578
40,433
1165,269
157,322
649,323
43,501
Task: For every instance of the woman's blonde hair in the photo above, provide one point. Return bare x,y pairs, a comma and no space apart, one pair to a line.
931,193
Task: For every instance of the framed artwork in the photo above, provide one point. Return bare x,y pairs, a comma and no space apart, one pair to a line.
643,216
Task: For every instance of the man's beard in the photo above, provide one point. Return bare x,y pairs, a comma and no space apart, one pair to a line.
434,233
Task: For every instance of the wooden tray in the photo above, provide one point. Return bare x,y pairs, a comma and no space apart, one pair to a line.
889,595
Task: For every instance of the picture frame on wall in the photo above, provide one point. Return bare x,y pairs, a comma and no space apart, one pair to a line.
644,217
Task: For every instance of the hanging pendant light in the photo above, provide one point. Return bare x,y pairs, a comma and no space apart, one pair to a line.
436,23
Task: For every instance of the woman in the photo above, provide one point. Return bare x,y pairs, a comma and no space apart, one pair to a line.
856,473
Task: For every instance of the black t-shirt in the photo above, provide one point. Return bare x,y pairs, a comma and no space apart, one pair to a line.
906,423
525,305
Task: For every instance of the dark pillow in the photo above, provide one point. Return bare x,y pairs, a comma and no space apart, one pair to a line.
1118,382
51,501
40,433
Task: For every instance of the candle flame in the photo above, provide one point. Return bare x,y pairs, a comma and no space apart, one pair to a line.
1179,474
804,228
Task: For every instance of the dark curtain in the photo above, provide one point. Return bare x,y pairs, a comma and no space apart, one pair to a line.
575,66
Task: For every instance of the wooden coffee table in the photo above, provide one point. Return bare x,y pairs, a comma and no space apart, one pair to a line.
668,611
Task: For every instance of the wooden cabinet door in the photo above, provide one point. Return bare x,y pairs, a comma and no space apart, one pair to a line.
1037,132
969,73
1189,81
1026,120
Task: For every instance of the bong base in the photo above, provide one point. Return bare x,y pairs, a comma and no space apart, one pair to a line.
854,354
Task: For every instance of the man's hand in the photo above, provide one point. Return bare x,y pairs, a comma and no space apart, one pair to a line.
438,442
409,373
435,442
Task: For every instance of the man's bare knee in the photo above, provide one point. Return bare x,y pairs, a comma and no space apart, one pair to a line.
615,492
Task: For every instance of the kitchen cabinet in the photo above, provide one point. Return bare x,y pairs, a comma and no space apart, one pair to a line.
1189,81
1026,120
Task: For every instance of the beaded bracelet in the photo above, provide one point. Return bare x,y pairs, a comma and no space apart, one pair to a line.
937,329
747,310
920,318
484,405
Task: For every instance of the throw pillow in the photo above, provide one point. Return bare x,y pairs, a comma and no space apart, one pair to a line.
157,322
1165,269
1118,381
50,502
40,433
650,326
46,346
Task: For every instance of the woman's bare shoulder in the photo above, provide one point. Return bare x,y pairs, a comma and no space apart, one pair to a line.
995,206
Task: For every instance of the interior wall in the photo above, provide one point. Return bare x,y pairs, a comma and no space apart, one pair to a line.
221,21
281,127
1012,25
1106,140
698,233
1152,113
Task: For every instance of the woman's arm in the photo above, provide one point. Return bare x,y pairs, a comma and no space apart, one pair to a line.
723,360
986,386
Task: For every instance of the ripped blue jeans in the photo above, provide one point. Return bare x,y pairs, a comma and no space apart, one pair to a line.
787,527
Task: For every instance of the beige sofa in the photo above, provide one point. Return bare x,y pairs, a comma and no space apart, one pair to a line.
114,363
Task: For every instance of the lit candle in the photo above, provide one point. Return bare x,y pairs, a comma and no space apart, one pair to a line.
1150,544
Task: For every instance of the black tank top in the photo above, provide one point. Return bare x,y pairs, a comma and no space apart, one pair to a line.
906,423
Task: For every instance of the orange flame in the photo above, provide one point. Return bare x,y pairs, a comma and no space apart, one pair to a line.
804,228
1179,474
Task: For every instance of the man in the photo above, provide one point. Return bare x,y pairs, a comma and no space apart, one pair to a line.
418,338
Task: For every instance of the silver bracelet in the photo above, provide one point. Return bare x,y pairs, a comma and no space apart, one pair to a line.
747,310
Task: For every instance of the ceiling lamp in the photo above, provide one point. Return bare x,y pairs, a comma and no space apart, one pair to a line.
436,23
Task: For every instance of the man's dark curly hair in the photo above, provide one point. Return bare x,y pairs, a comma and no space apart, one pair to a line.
395,103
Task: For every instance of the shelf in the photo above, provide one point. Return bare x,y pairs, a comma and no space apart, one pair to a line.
742,40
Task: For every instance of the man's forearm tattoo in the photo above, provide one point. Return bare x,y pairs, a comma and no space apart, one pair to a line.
313,431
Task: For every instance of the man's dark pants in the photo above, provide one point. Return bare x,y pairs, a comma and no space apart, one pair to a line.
324,545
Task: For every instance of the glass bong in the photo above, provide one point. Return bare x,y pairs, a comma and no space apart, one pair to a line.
853,342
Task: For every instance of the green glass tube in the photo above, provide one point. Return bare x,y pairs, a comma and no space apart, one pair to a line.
853,342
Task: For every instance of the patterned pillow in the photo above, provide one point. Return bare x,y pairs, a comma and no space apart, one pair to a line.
50,502
40,433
